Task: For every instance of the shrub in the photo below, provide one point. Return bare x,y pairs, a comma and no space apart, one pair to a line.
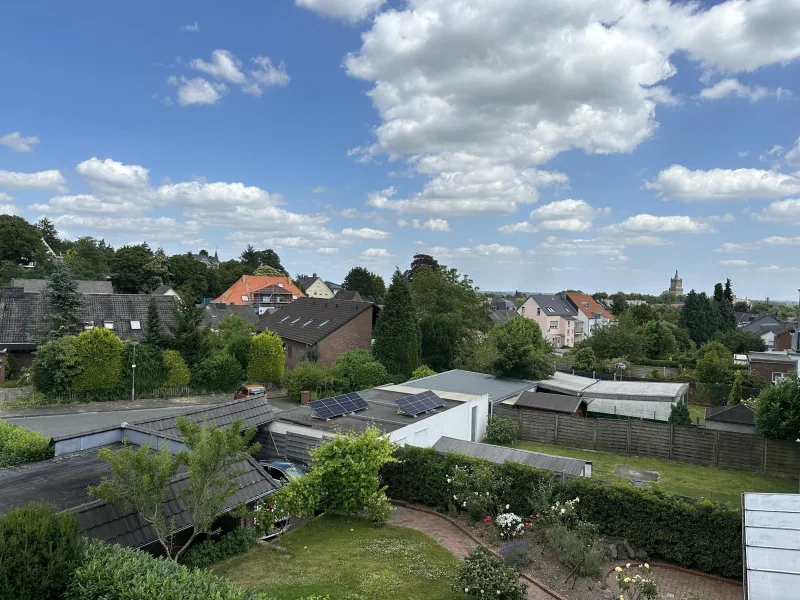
422,371
501,431
473,488
516,554
56,366
100,360
19,445
679,414
308,376
358,370
266,360
576,548
219,372
209,552
484,575
778,409
115,572
39,552
635,583
149,371
239,346
509,526
177,371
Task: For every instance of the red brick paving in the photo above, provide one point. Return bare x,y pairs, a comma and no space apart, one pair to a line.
681,584
452,538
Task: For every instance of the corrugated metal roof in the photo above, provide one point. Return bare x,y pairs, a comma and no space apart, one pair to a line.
476,384
636,390
254,411
500,454
771,546
636,409
565,383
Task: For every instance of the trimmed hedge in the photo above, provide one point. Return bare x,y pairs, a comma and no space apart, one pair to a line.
19,445
208,552
701,535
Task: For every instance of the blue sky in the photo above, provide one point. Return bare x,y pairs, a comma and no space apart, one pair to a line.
592,144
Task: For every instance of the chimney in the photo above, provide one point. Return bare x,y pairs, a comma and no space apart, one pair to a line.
305,397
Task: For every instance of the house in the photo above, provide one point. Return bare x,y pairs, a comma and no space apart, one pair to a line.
334,287
556,316
62,481
764,325
738,418
501,316
352,296
502,304
261,292
787,339
216,311
84,287
552,403
23,317
566,467
591,314
165,290
315,288
209,261
771,550
772,366
321,328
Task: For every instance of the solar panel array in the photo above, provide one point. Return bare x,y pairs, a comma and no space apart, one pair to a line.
419,403
338,405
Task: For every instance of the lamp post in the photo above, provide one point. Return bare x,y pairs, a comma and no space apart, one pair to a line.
133,373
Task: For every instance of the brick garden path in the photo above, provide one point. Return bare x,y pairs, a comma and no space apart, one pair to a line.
679,584
454,539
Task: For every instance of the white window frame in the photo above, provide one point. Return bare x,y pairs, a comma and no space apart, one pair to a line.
777,376
553,324
136,325
108,324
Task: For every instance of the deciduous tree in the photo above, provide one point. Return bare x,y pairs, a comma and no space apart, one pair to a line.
521,350
357,370
778,409
362,281
20,242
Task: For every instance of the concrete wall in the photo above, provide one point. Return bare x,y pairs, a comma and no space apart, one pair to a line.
354,335
455,423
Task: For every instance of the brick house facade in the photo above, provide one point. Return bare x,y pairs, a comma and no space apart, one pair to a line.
772,366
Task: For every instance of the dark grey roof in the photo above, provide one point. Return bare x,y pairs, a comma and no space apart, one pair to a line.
334,287
761,323
739,413
477,384
161,290
348,295
550,402
501,316
500,454
205,259
774,357
216,311
62,482
22,318
84,287
560,306
254,410
503,304
309,320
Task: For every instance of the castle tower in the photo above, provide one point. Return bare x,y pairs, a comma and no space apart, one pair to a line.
676,285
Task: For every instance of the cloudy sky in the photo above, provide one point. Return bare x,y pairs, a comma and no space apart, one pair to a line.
593,144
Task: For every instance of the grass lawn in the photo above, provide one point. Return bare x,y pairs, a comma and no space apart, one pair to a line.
332,554
720,485
696,410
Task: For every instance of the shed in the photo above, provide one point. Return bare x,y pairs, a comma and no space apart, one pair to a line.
610,408
569,467
739,418
554,403
475,384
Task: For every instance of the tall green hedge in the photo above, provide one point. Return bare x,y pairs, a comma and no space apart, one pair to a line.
100,356
701,535
19,445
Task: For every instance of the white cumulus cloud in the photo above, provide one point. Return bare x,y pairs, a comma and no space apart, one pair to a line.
51,180
655,224
349,10
191,27
562,215
18,143
782,211
365,233
375,253
733,87
198,90
735,263
328,250
721,185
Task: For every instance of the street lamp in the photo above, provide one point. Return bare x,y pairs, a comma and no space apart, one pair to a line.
133,373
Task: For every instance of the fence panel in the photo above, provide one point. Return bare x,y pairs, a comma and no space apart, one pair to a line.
649,439
782,458
693,445
537,427
612,435
741,451
505,411
576,431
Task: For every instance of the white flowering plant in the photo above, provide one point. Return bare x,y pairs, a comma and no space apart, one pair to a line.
474,490
635,582
484,575
509,525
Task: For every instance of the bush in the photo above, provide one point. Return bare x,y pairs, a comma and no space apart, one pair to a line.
39,552
56,366
116,572
358,370
150,370
778,409
311,377
266,360
422,371
484,575
209,552
679,415
219,372
501,431
576,548
100,360
19,445
177,371
516,554
239,346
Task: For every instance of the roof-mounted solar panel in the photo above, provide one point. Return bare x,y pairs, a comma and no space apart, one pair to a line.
417,404
337,406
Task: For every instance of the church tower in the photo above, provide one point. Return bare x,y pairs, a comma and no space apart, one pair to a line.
676,285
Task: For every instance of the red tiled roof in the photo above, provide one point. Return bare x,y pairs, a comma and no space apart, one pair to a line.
577,299
248,284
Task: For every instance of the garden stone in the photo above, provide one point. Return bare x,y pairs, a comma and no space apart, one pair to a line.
629,549
613,549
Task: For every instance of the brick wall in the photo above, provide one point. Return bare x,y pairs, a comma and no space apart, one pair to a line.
295,352
783,341
354,335
766,369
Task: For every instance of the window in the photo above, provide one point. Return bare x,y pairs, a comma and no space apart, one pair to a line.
245,298
776,377
284,318
324,323
88,325
585,304
553,324
307,322
538,312
295,321
551,310
108,324
136,325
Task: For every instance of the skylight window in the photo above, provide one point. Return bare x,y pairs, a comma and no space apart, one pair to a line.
307,322
284,318
585,304
108,324
245,298
295,321
136,325
324,323
550,309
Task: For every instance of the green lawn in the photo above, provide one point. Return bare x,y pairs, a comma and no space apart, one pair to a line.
696,410
721,485
331,555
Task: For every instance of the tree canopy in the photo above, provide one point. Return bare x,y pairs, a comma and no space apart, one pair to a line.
397,334
369,285
778,409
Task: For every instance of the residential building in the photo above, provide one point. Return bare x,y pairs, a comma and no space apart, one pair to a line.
772,366
314,287
320,328
552,403
165,290
676,285
787,339
502,304
23,317
458,381
766,326
556,316
209,261
352,296
84,287
261,292
214,312
334,287
590,313
500,316
738,418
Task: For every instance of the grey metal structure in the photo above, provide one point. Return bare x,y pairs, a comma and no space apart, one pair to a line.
771,540
565,383
635,409
476,384
569,467
559,403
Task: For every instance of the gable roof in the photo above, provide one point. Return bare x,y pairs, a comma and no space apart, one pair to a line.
553,305
23,316
162,289
247,284
559,403
349,295
216,311
763,322
84,287
309,320
580,302
739,413
502,304
334,287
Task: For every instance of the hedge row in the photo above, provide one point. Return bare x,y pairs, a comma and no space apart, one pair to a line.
19,445
701,535
209,552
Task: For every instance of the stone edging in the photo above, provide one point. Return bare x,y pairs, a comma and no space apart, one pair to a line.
671,567
478,541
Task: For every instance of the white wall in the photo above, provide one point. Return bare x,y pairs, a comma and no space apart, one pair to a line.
455,422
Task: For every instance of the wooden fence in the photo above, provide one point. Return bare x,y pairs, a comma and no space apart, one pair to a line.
694,445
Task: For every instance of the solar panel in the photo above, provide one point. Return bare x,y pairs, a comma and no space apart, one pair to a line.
419,403
338,405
